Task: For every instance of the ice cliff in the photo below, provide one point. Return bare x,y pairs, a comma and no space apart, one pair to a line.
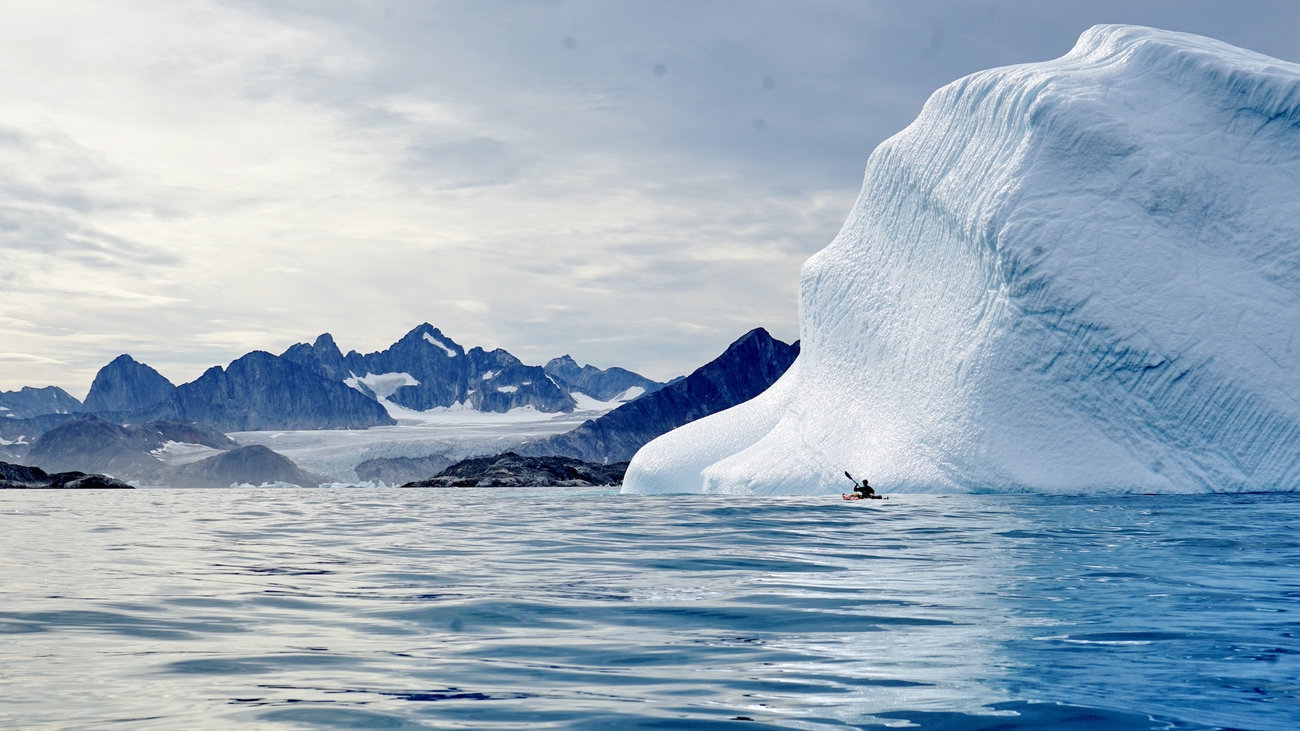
1075,275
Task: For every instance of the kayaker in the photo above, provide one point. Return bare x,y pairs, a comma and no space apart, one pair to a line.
863,491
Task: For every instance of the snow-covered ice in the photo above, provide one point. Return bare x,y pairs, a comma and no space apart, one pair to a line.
1075,275
456,432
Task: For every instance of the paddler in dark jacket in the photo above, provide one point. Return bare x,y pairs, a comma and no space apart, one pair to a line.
865,491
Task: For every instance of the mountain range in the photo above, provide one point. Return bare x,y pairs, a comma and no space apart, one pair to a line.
316,386
136,425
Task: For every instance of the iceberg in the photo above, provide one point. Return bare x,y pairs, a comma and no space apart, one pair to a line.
1071,276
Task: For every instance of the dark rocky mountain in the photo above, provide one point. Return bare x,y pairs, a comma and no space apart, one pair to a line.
88,444
251,465
156,433
14,476
443,371
513,470
30,402
127,385
400,470
17,435
747,368
262,391
602,385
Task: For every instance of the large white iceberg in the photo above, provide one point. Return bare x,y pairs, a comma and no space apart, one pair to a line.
1075,275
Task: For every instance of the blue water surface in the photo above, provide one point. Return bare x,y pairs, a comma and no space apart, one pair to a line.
570,609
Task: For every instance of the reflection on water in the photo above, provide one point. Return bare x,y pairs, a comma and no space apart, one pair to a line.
571,609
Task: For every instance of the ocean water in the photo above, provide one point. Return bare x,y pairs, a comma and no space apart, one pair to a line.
570,609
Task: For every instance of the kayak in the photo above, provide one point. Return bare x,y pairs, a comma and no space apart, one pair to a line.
859,497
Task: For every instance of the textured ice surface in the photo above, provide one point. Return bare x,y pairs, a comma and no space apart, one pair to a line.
1067,276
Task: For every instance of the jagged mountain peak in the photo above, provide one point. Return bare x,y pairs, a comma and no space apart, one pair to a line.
603,385
325,342
427,335
30,402
126,384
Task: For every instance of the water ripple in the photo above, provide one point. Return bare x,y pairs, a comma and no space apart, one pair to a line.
586,610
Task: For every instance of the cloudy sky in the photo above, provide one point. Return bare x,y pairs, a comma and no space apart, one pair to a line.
633,183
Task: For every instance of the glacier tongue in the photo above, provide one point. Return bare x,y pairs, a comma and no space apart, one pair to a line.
1075,275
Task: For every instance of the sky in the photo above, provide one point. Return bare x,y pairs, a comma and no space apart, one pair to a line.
635,184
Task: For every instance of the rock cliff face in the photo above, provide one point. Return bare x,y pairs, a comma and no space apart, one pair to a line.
747,368
31,402
261,391
602,385
127,385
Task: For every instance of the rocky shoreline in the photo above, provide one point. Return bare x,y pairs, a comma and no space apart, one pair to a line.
19,477
512,470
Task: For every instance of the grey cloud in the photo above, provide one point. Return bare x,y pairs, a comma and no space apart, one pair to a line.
520,154
462,163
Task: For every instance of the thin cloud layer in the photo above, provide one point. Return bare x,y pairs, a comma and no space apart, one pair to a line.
635,184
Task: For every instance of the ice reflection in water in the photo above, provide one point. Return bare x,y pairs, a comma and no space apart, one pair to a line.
463,609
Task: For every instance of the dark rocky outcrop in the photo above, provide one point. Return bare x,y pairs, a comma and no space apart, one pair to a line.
262,391
251,465
602,385
29,402
127,385
513,470
747,368
22,473
399,470
20,477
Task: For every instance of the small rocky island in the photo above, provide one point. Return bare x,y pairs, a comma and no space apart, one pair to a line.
19,477
512,470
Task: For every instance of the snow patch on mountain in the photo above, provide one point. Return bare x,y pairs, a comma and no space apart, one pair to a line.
447,348
382,385
178,453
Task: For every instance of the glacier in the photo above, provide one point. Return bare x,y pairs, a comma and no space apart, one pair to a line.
1071,276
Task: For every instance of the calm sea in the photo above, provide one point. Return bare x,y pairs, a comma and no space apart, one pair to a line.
564,609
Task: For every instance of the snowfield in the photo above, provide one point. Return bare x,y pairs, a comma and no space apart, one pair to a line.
1078,275
456,432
